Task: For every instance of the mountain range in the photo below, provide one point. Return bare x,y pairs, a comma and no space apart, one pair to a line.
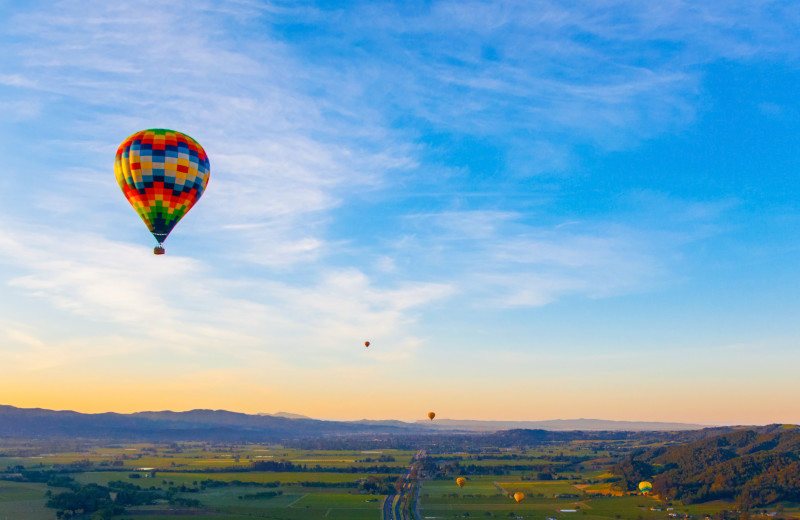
225,425
561,425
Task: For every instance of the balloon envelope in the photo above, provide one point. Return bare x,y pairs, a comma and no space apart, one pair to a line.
366,343
645,487
162,173
519,496
431,415
461,481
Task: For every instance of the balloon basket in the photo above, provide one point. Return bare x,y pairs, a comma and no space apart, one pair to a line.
158,250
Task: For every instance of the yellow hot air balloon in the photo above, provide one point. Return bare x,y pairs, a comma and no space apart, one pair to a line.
431,415
519,496
645,487
461,481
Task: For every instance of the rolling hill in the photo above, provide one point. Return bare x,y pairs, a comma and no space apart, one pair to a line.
753,466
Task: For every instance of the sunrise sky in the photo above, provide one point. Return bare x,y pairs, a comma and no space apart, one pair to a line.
533,210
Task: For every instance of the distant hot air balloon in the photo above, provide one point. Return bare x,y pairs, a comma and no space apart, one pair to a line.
519,496
366,343
162,173
645,487
461,481
431,415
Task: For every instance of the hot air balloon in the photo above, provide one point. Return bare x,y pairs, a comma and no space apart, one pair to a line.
645,487
461,481
162,173
431,415
366,343
519,496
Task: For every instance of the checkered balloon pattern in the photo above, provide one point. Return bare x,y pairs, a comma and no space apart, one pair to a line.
162,174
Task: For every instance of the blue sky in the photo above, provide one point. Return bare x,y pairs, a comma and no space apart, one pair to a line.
588,206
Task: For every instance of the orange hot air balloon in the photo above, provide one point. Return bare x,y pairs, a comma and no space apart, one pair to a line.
461,481
431,415
519,496
366,343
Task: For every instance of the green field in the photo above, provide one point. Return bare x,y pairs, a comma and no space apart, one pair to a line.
166,479
438,490
220,481
626,508
292,505
23,500
187,465
194,456
544,489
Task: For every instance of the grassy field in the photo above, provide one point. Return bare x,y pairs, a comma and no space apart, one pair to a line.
227,504
582,472
180,469
164,480
627,508
189,464
198,456
27,501
23,500
545,489
437,489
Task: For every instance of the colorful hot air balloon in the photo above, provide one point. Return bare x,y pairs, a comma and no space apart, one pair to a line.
645,487
461,481
366,343
162,174
519,496
431,415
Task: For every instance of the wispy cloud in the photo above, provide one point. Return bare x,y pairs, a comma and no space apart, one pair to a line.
281,154
298,127
187,306
374,168
505,262
16,80
607,73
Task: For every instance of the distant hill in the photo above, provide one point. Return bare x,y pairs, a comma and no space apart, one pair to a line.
466,425
523,438
233,426
753,466
286,415
560,425
166,425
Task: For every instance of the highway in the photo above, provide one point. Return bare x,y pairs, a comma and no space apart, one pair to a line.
392,506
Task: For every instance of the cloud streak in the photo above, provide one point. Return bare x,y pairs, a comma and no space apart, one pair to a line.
191,308
377,171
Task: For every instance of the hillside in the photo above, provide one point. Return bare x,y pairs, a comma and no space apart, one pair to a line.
754,467
158,426
234,426
561,425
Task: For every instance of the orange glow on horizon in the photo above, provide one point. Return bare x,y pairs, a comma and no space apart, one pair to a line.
226,393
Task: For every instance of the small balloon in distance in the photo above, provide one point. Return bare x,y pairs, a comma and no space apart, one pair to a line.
461,481
519,496
431,415
366,343
645,487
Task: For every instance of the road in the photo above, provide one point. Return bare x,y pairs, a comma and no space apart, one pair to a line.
392,506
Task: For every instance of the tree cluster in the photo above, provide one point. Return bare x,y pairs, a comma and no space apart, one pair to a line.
754,467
